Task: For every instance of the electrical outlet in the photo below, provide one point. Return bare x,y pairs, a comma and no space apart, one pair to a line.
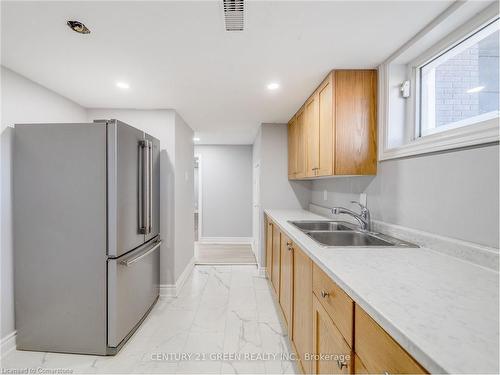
325,195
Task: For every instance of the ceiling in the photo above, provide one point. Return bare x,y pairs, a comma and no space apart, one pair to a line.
177,54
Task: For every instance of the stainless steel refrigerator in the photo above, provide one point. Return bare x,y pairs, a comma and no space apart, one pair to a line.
86,234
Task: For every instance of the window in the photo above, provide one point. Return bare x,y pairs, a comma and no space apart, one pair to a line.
440,90
460,86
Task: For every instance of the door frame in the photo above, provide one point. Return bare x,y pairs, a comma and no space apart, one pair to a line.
257,217
199,197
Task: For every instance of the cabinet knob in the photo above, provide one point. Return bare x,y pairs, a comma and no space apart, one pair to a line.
324,294
341,364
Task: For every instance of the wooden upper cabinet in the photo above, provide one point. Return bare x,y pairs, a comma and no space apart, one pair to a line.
337,127
312,135
286,280
292,148
300,144
355,122
325,127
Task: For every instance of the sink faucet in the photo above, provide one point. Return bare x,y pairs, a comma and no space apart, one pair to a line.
363,218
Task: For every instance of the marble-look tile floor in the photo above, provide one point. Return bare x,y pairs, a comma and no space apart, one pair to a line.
223,321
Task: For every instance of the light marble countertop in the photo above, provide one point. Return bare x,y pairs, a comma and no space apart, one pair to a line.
443,310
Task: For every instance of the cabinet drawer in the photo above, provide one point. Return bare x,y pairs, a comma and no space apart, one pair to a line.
378,352
332,354
336,302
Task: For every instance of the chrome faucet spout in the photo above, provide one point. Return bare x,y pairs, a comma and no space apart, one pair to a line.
363,219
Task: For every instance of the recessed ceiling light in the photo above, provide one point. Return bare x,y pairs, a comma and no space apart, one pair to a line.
273,86
122,85
78,27
475,89
196,139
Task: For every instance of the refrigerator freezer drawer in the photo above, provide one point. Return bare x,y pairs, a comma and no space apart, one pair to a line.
133,286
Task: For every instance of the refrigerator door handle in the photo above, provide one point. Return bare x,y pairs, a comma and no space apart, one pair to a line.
150,188
143,187
128,262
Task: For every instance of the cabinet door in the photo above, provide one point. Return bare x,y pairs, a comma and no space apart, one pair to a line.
301,144
355,122
325,127
269,246
328,342
359,367
378,351
302,306
312,135
292,148
286,274
275,271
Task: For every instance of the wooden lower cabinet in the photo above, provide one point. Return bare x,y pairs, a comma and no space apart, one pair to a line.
329,332
378,351
332,354
336,302
302,307
286,280
275,269
269,246
359,367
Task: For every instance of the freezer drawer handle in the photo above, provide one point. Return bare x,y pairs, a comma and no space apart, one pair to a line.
128,262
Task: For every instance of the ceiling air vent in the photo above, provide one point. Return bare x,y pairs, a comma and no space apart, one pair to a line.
233,14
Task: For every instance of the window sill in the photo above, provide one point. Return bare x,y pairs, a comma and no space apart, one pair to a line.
475,134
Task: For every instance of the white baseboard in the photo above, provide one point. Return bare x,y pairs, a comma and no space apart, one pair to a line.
223,240
172,290
262,271
8,343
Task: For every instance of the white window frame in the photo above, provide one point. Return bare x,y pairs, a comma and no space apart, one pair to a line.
484,130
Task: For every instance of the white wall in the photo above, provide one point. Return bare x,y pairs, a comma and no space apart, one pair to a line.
276,191
452,194
226,186
23,101
184,196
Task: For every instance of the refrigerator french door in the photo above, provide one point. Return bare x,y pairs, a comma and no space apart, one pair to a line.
133,188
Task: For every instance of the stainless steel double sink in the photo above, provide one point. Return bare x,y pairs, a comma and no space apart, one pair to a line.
343,234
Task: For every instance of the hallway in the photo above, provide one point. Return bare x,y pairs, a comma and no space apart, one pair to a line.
220,310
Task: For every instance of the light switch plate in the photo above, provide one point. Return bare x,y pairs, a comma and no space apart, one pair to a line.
325,195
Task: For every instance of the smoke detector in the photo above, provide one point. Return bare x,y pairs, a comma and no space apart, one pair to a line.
78,27
233,14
